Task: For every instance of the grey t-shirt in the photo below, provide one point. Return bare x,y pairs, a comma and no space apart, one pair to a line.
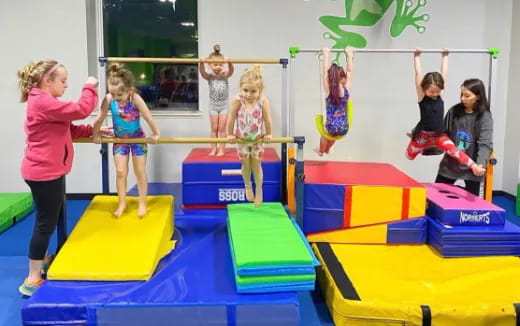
473,137
218,89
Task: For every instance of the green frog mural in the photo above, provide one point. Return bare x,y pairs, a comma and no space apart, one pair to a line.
369,13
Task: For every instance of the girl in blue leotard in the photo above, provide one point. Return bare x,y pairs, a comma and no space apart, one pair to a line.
127,107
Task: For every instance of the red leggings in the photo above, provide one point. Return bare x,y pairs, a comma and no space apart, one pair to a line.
426,139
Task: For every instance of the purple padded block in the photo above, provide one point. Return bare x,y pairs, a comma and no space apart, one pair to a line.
455,206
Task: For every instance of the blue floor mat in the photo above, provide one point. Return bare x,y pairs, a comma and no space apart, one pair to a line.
15,240
198,274
12,273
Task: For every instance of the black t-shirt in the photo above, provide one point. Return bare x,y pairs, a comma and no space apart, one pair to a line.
432,114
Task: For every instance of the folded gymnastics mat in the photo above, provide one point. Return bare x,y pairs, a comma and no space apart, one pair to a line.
105,248
211,180
269,252
412,285
463,241
343,195
455,206
413,231
14,207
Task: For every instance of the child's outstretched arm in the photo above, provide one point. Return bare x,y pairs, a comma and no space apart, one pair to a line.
103,111
266,114
418,73
202,68
444,64
325,70
145,112
231,68
232,116
349,52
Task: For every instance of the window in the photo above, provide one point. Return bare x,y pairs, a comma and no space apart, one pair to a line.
156,28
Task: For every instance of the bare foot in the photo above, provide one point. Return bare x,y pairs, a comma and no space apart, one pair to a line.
119,211
212,152
141,211
219,153
317,151
249,194
258,197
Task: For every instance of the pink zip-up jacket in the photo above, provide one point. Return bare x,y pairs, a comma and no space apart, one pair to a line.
49,131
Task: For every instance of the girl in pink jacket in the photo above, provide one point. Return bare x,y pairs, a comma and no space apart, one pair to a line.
49,152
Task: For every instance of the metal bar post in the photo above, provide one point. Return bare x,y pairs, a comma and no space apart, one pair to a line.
283,184
300,179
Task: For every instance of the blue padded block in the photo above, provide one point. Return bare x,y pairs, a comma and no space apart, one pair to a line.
225,193
323,208
413,231
203,182
475,250
198,273
508,232
465,216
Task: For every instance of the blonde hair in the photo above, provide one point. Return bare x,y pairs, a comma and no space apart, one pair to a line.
253,75
216,52
32,74
120,78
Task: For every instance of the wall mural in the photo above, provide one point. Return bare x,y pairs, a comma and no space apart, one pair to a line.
369,13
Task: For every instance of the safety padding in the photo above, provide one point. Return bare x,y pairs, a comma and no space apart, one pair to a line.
413,286
210,180
342,195
105,248
412,231
14,207
455,206
269,253
474,240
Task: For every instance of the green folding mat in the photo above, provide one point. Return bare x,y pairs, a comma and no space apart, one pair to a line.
274,279
14,207
265,237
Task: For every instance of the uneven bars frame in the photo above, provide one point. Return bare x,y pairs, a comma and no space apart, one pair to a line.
284,105
293,50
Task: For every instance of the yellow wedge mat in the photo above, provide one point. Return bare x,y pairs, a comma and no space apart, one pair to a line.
374,234
105,248
414,286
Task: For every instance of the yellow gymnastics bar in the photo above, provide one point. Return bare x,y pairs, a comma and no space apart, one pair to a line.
179,140
190,60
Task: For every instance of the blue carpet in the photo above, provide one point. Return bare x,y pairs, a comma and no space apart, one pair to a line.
15,240
12,273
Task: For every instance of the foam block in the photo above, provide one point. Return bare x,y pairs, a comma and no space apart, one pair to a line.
342,195
210,180
403,232
455,206
14,207
105,248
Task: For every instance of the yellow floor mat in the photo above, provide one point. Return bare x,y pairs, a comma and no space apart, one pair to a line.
105,248
413,285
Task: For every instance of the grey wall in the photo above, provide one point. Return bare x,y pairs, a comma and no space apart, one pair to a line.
512,130
383,91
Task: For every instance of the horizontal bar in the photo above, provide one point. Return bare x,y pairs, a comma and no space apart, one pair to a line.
181,140
400,50
186,60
